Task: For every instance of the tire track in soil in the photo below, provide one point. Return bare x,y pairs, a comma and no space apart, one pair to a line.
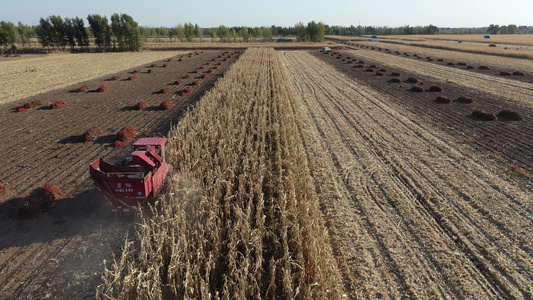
502,138
33,250
370,192
28,266
447,247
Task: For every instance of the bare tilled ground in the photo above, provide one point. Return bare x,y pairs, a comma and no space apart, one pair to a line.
411,212
501,138
515,91
499,61
60,253
30,74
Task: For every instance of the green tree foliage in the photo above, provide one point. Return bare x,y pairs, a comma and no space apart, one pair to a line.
157,33
60,32
259,33
126,32
198,32
509,29
316,31
45,33
245,34
101,31
214,36
70,33
267,34
180,32
431,29
233,35
165,32
80,33
189,32
145,33
24,33
493,29
8,34
223,33
408,30
301,32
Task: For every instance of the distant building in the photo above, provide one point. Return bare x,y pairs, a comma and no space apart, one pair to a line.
523,29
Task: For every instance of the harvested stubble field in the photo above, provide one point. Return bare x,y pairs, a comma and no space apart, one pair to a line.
519,46
411,212
503,139
300,180
514,90
457,56
206,44
32,74
513,39
505,39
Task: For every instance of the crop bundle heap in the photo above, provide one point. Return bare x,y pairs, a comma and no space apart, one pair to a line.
242,220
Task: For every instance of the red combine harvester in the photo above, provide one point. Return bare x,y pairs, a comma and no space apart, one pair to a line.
131,181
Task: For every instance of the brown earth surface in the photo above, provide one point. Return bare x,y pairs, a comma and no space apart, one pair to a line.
501,138
60,254
505,48
32,74
465,63
419,198
494,60
412,211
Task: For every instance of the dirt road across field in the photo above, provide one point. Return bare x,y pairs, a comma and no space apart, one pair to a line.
411,212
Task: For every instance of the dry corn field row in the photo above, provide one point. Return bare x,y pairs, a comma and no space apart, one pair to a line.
30,75
411,213
242,221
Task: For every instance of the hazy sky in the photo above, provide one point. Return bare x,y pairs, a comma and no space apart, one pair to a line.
212,13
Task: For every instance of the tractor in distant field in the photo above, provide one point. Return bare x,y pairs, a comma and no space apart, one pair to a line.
131,181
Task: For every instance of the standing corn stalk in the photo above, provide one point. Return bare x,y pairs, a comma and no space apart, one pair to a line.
242,222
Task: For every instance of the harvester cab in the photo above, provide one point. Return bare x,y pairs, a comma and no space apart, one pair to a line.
135,179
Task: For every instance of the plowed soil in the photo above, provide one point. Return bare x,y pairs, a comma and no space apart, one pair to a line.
31,74
502,138
412,212
60,254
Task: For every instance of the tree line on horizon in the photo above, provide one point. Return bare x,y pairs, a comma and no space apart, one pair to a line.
122,33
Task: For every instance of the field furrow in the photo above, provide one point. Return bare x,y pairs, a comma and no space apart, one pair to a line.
517,92
499,61
503,140
60,252
32,75
411,212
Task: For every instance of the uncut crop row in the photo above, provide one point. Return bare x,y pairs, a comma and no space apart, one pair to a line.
241,220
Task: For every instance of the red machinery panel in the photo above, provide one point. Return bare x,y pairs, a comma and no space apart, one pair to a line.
130,182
